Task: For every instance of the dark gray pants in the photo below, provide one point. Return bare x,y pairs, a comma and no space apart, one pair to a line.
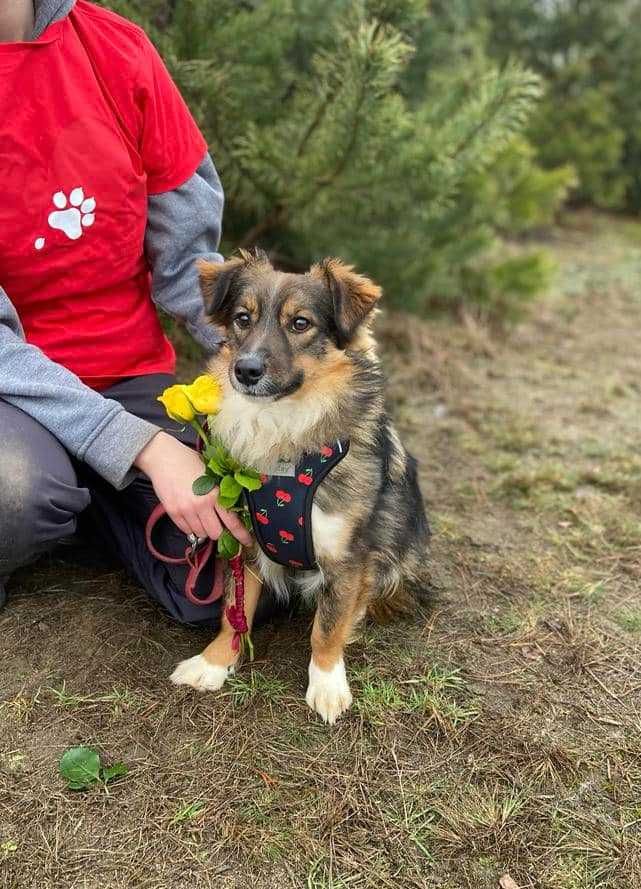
46,496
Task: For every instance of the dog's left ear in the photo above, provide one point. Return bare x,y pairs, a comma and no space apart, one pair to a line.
354,296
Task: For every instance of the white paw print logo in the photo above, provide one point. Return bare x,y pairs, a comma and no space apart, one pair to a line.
73,215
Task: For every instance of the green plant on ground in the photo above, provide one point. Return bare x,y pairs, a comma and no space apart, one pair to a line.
436,696
256,685
188,812
81,768
629,619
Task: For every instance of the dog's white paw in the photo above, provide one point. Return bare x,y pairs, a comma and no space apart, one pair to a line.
199,673
328,692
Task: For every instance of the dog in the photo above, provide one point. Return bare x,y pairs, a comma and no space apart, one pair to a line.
299,369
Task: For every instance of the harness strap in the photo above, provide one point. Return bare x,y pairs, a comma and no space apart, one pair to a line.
281,510
195,557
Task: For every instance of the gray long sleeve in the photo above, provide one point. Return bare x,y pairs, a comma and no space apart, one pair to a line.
183,225
92,428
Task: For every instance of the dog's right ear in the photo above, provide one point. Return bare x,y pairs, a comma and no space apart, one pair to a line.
354,296
217,281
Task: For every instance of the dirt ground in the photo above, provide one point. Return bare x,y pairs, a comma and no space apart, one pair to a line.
499,734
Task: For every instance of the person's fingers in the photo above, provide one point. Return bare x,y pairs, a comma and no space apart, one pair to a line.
195,525
210,521
205,518
179,520
234,525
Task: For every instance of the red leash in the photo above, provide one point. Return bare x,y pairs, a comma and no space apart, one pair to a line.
235,613
196,557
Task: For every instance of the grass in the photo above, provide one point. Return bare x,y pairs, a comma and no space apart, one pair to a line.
120,699
629,619
187,812
498,733
430,696
256,686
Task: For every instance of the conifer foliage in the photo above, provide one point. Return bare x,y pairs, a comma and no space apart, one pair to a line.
589,55
353,127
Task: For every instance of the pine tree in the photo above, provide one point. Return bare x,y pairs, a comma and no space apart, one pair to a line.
589,54
362,128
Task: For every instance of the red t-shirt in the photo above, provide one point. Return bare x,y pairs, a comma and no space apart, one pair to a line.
91,124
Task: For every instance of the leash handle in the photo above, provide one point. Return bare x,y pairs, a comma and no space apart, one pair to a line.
196,559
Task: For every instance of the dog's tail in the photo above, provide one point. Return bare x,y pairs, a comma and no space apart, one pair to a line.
400,592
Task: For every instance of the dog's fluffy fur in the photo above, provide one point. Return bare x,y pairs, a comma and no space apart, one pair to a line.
321,380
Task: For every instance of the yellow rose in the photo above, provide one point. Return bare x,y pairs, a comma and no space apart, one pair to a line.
177,404
205,394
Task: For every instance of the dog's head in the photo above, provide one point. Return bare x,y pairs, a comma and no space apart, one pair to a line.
285,331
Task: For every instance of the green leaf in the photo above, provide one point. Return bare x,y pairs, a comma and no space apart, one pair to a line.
247,519
222,456
217,466
203,485
117,770
233,464
248,480
230,489
227,502
80,767
228,546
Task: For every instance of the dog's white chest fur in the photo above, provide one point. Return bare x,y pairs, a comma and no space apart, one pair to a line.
261,432
328,533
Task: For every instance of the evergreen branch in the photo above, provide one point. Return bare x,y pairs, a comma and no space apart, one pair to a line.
501,103
322,132
342,164
329,98
315,123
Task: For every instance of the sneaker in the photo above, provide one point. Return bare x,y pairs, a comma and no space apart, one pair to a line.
3,594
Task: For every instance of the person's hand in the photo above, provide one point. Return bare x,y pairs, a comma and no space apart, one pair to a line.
172,468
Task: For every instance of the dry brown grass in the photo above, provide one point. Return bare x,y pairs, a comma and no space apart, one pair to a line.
499,733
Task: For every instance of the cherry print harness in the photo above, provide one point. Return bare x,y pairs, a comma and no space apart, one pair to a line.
281,510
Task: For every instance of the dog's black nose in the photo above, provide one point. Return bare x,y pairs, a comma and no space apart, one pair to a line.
249,369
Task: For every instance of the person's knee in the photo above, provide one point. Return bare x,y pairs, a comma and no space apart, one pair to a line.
18,502
38,507
23,506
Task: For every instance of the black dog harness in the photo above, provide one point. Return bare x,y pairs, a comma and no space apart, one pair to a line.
281,510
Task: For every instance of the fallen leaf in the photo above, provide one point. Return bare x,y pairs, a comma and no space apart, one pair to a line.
80,767
506,882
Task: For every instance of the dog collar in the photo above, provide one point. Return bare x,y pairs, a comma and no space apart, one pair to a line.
281,510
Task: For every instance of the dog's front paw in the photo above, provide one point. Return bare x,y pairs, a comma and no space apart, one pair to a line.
328,692
199,673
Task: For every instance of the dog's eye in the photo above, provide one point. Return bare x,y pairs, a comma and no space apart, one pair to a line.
300,325
242,320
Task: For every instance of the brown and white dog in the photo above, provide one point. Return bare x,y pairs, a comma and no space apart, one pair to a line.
299,369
